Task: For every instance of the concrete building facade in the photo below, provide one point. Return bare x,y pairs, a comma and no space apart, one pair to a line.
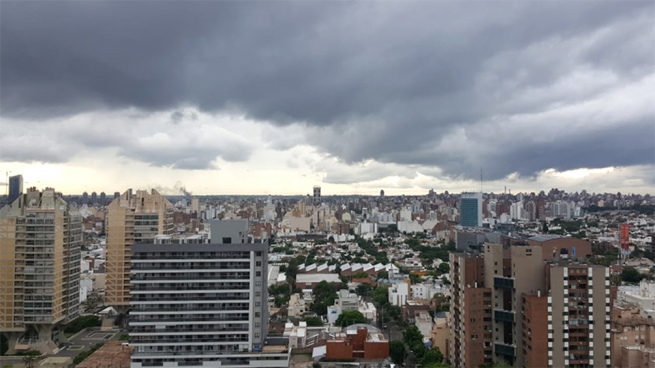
40,238
199,302
132,218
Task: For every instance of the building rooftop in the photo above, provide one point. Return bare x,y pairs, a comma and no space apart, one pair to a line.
111,354
317,277
546,237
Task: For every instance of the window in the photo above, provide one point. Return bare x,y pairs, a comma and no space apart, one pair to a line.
258,273
258,263
227,240
258,254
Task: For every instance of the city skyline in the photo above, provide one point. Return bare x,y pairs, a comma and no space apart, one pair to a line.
276,97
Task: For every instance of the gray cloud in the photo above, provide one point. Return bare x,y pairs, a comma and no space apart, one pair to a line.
446,85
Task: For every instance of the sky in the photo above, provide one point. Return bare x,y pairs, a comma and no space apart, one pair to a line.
274,97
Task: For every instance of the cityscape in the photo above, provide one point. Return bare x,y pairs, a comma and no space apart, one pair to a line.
139,279
320,184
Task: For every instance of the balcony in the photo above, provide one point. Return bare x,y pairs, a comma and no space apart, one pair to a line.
503,316
503,282
504,349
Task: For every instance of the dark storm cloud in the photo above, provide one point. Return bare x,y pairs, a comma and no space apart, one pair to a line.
407,83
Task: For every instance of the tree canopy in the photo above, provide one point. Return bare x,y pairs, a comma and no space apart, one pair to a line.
347,318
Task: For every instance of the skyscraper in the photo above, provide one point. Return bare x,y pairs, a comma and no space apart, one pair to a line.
471,210
201,303
317,193
40,238
15,188
131,218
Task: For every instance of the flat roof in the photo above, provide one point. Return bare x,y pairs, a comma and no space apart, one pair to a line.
317,277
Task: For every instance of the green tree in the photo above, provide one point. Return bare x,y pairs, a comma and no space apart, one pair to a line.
347,318
444,267
631,275
412,335
314,321
324,295
381,295
433,355
30,357
397,351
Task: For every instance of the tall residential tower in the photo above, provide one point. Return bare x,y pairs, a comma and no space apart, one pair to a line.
40,238
131,218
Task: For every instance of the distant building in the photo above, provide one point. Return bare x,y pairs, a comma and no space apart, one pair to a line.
40,238
103,198
15,188
359,341
471,210
317,194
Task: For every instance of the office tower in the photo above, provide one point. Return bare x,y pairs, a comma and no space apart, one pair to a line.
94,198
525,306
15,188
201,303
103,198
117,194
40,238
131,218
317,194
471,210
85,198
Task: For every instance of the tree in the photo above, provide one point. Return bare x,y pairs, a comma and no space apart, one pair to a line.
444,267
314,321
631,275
381,295
324,296
412,335
347,318
544,228
433,355
30,357
397,351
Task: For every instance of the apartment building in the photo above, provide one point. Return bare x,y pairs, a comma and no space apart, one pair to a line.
40,238
510,305
131,218
470,339
578,315
201,302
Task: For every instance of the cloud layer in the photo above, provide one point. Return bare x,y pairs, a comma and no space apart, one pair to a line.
384,89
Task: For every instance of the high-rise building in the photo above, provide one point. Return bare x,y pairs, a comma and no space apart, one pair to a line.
317,194
85,198
15,188
40,238
195,205
471,210
131,218
529,307
199,302
470,316
103,198
94,198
